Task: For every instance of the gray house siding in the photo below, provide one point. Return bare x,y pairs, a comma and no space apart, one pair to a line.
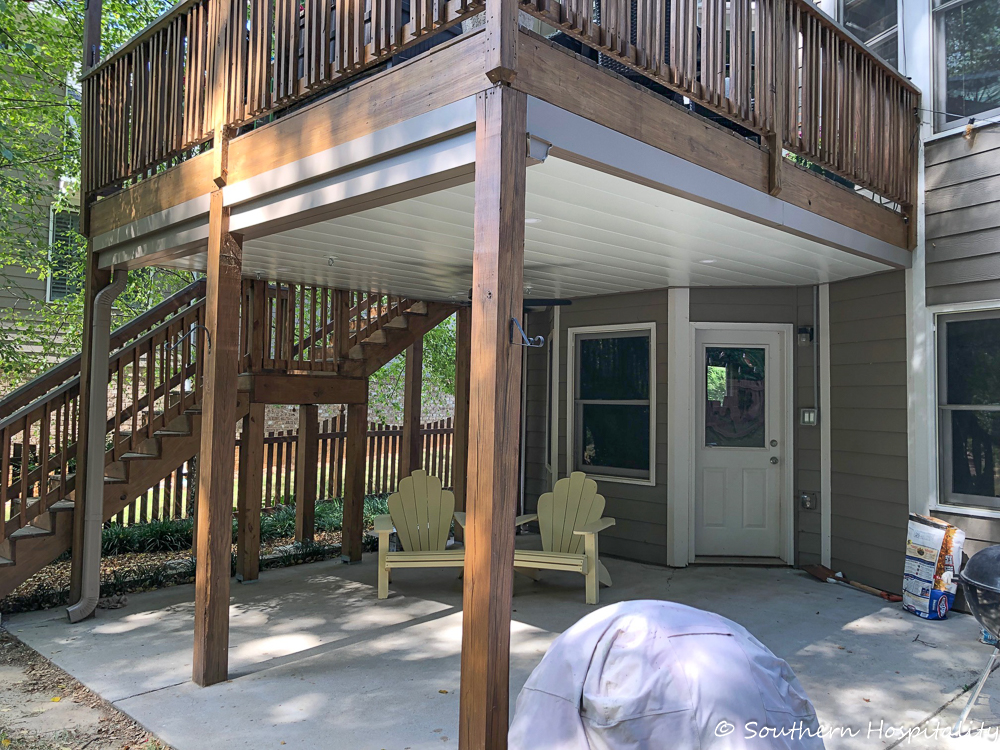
779,305
869,480
640,532
536,475
962,180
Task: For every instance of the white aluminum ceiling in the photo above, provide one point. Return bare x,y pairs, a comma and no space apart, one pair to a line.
587,233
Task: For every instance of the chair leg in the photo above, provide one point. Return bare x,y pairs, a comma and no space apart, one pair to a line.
603,575
590,550
383,571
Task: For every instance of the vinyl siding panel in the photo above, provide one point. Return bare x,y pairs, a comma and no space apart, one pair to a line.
962,181
868,421
640,532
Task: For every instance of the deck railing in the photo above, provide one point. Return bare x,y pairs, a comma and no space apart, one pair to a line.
776,67
231,62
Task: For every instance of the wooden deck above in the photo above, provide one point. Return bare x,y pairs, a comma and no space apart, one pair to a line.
313,132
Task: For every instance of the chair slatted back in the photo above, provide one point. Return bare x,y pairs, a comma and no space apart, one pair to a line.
421,512
572,504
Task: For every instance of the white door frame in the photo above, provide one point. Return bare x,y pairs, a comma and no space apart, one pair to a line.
682,430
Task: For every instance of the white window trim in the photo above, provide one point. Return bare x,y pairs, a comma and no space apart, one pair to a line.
941,128
933,312
571,334
552,399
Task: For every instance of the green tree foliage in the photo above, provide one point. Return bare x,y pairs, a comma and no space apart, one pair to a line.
41,48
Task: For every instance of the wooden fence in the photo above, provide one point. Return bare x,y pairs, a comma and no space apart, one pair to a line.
175,496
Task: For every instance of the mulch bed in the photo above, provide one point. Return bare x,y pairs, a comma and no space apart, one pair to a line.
49,587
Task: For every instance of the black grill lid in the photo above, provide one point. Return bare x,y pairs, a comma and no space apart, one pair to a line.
983,569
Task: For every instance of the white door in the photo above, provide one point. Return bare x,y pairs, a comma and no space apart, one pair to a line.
740,450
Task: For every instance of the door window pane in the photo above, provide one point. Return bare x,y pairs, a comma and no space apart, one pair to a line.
734,397
968,58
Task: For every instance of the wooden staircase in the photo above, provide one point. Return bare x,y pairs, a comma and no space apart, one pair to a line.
155,398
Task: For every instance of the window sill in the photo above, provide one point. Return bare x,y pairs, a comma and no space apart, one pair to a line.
651,482
965,510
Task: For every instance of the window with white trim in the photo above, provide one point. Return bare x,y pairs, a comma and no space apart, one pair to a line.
613,394
968,405
63,243
966,61
876,23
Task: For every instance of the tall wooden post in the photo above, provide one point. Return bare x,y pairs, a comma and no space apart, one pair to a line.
460,438
306,457
95,280
411,442
250,495
218,443
494,415
355,478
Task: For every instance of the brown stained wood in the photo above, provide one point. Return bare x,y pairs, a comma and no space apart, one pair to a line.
216,458
249,498
306,459
354,481
559,78
460,441
410,448
494,411
303,388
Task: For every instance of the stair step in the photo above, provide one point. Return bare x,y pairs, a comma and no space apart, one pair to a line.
357,352
378,337
115,480
417,308
136,456
30,532
62,506
195,410
4,562
399,321
172,433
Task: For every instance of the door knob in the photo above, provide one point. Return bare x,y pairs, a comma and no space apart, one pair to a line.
774,459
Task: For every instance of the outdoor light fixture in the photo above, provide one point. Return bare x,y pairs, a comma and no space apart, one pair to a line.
332,260
707,261
532,220
805,336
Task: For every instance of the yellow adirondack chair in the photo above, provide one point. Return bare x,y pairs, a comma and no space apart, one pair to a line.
569,519
421,512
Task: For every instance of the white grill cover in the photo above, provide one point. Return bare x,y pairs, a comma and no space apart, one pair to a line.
653,674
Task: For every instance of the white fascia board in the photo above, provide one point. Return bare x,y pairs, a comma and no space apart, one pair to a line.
572,135
418,169
436,124
168,217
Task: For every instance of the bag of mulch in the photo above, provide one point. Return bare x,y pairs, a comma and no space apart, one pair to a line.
933,559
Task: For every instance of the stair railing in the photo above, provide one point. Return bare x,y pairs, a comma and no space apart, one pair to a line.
300,328
151,380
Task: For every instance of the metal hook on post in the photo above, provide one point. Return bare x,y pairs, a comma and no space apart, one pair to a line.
533,343
195,327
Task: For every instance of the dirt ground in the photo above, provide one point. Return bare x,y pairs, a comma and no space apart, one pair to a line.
43,708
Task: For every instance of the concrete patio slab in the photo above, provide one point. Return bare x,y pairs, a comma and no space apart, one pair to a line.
317,661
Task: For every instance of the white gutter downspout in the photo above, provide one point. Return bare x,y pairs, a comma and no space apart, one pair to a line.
93,521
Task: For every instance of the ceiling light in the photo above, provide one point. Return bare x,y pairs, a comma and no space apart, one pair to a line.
533,220
709,260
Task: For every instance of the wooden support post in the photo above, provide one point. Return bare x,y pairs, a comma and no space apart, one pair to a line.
494,417
411,443
218,444
501,40
306,457
250,495
354,482
778,99
460,439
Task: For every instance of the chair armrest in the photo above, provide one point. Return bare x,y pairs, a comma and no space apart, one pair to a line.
460,518
596,526
383,524
527,518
